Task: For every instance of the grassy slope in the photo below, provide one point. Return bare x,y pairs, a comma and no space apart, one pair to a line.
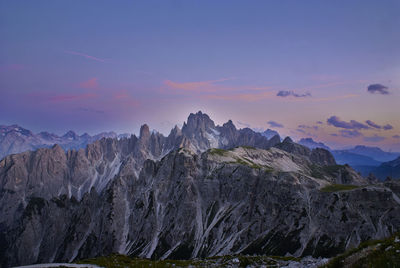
373,253
121,261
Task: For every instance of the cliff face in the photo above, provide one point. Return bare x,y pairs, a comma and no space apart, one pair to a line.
174,197
245,200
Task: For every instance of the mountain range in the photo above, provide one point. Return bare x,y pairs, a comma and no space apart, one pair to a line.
364,159
310,143
202,191
269,133
16,139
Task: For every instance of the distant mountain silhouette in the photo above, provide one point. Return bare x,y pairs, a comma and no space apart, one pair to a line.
16,139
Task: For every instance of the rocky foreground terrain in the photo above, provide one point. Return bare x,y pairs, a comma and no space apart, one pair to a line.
203,191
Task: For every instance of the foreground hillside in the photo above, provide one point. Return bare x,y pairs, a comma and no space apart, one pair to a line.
373,253
384,253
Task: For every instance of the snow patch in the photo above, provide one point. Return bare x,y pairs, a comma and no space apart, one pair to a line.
213,138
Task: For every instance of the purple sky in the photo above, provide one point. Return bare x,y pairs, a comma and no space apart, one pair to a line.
329,70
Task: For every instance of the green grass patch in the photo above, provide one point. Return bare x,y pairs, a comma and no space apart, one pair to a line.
249,147
247,162
338,187
286,258
121,261
217,151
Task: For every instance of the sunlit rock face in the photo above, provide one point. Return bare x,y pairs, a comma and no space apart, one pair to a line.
174,197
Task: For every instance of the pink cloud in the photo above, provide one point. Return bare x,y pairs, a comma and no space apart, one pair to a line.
89,84
212,86
78,97
125,98
121,95
84,55
198,85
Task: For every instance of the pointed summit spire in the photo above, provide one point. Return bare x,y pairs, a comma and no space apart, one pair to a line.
144,131
287,140
197,122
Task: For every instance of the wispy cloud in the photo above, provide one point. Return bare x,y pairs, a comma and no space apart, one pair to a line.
321,99
206,85
229,92
376,126
287,93
374,138
301,130
378,88
387,127
257,96
77,97
89,84
125,98
90,110
274,124
334,98
348,134
308,127
353,124
84,55
372,124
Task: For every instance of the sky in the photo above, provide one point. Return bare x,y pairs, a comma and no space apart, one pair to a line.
329,70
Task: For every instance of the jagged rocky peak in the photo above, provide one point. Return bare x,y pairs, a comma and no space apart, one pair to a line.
175,132
287,140
289,146
144,132
269,133
310,143
275,140
198,122
57,148
318,155
71,135
229,125
15,129
85,136
47,135
229,131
